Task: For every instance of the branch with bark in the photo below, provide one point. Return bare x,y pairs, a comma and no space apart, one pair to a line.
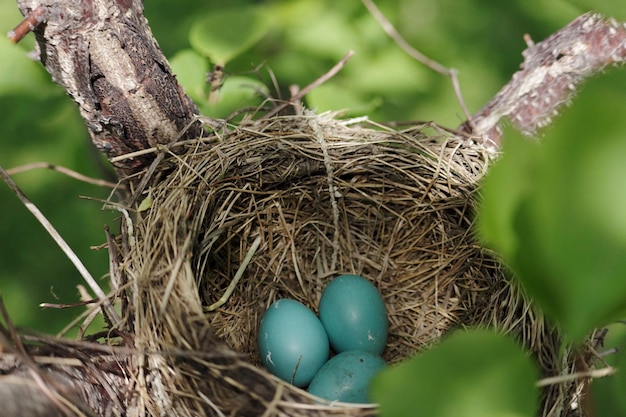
104,55
552,71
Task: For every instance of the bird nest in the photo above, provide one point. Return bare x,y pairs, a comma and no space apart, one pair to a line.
276,208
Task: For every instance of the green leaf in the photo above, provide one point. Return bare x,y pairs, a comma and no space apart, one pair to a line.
190,69
221,35
472,373
327,35
145,204
500,201
564,234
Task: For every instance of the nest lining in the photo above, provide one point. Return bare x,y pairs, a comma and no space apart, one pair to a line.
325,198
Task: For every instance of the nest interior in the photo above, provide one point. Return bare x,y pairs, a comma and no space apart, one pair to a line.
320,197
325,203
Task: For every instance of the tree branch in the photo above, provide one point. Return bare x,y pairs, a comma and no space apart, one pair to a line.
550,74
104,55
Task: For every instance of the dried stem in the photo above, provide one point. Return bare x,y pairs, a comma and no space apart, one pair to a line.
238,275
417,55
109,310
321,80
63,170
594,373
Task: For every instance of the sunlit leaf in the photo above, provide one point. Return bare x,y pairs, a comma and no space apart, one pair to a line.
145,204
221,35
326,36
471,374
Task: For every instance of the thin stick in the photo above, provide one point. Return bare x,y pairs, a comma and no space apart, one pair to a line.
91,282
11,330
71,305
332,189
114,267
30,22
594,373
391,31
238,275
159,148
417,55
63,170
321,80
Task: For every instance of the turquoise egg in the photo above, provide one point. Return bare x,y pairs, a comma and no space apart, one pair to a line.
292,342
346,377
354,315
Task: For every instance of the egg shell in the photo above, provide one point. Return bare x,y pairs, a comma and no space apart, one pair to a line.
354,315
346,377
293,344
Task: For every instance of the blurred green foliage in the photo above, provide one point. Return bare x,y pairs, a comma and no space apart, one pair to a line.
554,211
562,226
481,373
298,41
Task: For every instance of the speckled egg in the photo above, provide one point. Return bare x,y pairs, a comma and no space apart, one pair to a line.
293,344
346,377
354,315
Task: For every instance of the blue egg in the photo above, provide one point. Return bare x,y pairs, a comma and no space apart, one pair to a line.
354,315
346,377
293,344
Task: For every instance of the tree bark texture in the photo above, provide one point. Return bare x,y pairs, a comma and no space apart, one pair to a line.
104,55
53,378
550,75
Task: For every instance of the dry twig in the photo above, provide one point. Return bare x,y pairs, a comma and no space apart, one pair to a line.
110,312
63,170
417,55
321,80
